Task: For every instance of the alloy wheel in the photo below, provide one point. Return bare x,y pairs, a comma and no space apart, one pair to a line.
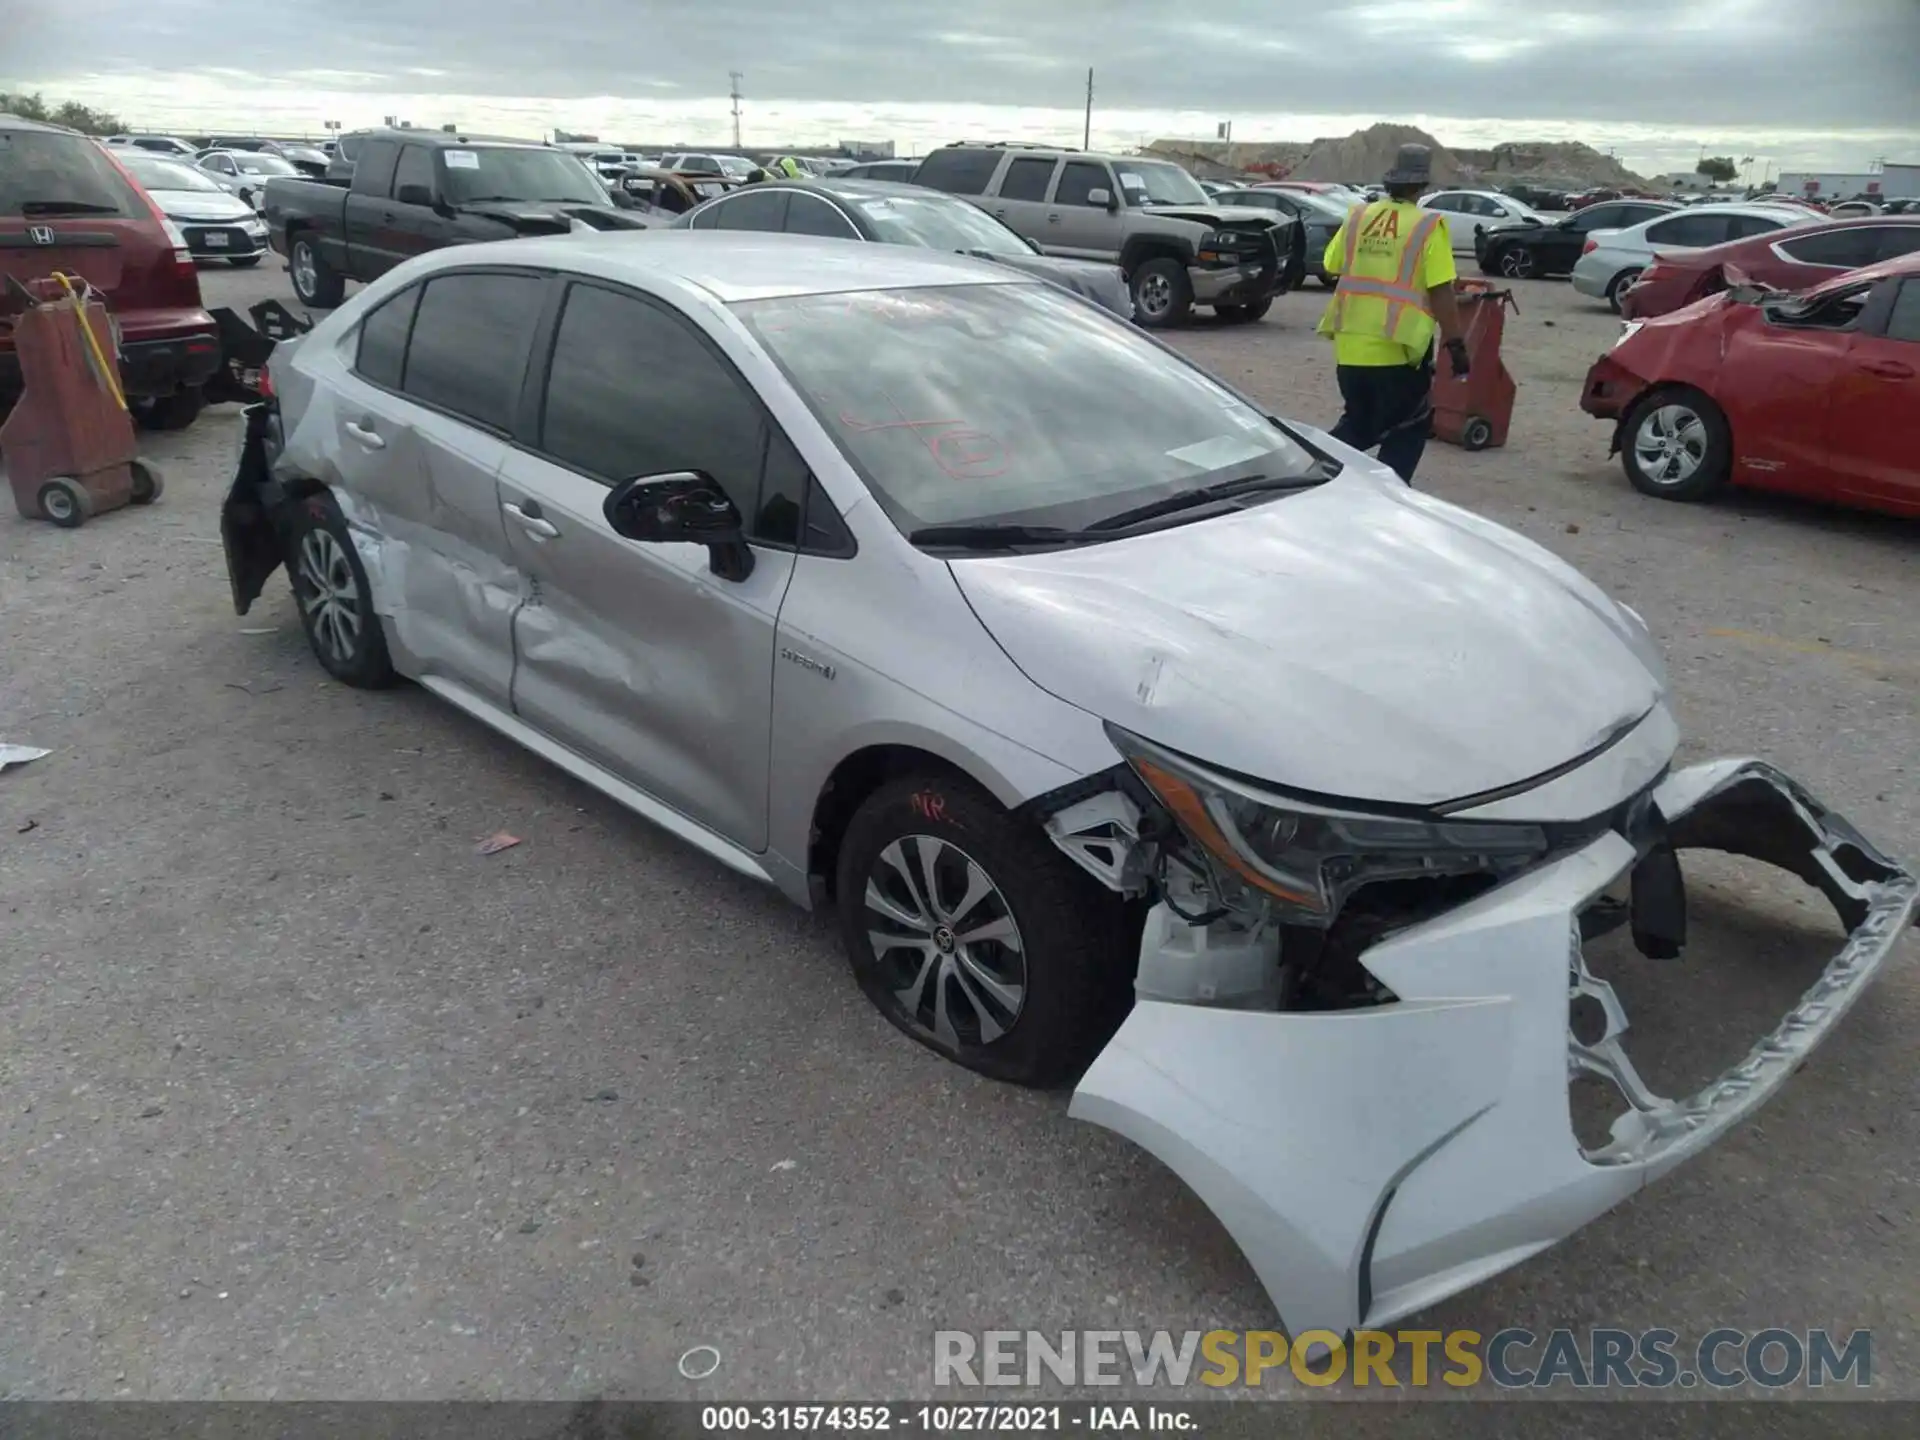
1516,262
1156,295
946,941
306,276
1670,444
330,596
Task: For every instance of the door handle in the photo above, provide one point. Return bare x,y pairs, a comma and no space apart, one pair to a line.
1892,369
1053,217
362,431
527,513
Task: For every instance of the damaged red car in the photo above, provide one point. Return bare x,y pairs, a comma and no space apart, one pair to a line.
1794,259
1812,393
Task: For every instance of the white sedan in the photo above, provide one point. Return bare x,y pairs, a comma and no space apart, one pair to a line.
1613,259
1469,212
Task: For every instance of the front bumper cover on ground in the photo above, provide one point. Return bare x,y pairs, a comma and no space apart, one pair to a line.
1371,1162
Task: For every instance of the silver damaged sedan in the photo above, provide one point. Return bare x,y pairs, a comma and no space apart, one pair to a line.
1130,733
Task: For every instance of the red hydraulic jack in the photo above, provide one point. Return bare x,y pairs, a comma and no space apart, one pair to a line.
69,443
1474,413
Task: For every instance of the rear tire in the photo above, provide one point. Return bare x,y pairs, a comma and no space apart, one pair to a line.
316,283
1244,314
1675,444
1028,1003
1162,294
336,602
170,412
1618,287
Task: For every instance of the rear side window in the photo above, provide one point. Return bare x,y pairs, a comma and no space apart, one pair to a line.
1741,227
1896,240
373,171
415,168
1689,230
1903,322
1078,180
1844,249
810,215
1027,179
751,210
958,172
46,174
383,338
469,347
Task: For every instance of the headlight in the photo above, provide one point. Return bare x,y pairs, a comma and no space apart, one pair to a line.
1309,858
1215,249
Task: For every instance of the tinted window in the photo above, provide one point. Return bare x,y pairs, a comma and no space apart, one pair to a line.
1448,204
373,171
1740,227
1027,179
1846,249
469,344
218,163
415,168
958,172
1903,323
1896,240
383,338
1689,230
634,391
783,492
53,175
1638,214
751,210
1078,179
810,215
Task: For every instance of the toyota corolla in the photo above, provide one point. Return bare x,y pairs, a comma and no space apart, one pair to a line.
1064,676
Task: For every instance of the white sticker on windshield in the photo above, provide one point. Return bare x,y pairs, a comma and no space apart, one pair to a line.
1132,181
462,159
1217,453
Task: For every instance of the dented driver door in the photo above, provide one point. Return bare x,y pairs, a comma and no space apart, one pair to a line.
637,656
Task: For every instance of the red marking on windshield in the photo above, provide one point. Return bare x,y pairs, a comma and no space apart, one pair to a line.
959,449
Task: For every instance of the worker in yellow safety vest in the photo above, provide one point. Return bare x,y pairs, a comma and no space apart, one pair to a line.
1395,267
785,167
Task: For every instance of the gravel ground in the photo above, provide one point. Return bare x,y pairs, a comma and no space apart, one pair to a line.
299,1097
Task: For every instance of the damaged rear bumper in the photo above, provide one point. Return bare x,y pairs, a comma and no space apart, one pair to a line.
1371,1162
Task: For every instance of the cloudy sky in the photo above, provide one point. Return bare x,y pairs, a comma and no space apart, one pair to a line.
1834,81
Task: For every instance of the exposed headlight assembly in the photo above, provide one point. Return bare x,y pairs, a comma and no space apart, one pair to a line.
1307,858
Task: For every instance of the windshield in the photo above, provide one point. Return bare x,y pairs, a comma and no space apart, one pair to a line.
43,173
1155,182
521,174
251,162
735,165
938,223
1311,202
1015,403
164,175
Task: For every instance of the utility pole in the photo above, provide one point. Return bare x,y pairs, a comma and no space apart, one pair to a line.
736,77
1086,135
1226,134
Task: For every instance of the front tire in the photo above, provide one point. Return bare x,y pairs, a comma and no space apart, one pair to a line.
336,602
316,283
1676,445
1162,294
1515,262
974,935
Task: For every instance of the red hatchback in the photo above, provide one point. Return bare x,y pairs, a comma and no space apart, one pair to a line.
1792,259
1813,394
66,205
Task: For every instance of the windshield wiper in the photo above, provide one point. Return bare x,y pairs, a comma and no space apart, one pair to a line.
1318,473
66,207
997,536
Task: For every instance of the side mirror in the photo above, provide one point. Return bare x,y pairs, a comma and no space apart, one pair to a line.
1103,198
684,507
413,195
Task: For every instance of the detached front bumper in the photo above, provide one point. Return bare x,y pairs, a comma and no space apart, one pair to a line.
1371,1162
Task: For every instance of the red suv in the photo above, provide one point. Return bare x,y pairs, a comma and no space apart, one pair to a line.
66,205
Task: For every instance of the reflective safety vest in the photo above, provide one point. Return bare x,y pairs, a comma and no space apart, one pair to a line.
788,166
1379,292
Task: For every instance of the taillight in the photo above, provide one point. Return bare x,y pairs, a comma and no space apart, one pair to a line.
1589,247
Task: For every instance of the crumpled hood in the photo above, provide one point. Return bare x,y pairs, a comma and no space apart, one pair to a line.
1217,214
553,217
1102,284
1358,640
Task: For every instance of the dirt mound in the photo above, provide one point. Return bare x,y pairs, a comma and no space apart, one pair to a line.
1366,155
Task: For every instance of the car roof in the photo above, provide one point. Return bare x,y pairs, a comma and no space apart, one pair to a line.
737,265
855,188
20,122
443,140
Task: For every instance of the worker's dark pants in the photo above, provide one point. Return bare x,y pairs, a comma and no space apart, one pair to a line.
1388,406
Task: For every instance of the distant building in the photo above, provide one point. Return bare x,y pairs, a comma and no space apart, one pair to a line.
1894,182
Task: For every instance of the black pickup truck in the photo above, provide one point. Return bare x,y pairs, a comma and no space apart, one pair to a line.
414,191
